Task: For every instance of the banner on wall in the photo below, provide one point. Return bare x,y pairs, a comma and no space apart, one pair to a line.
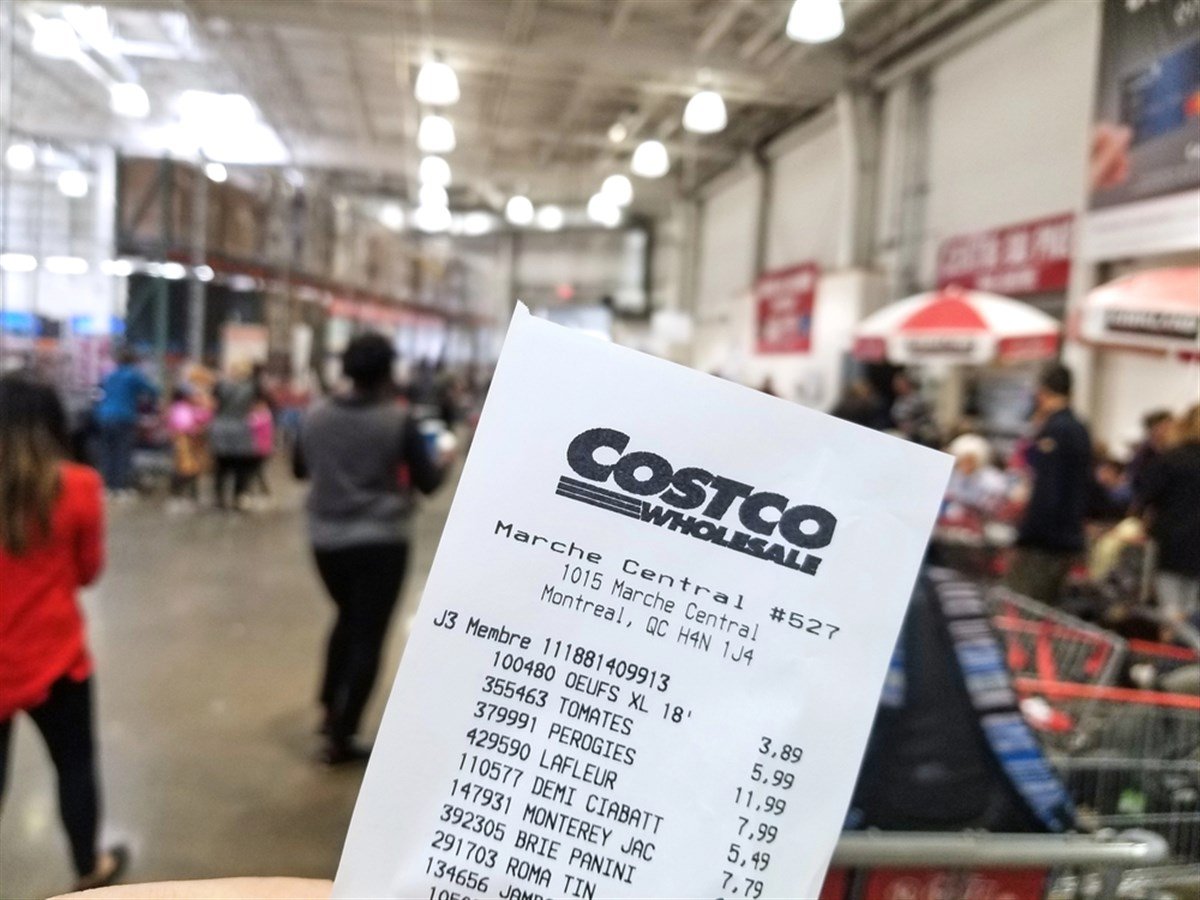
1027,258
1144,153
784,302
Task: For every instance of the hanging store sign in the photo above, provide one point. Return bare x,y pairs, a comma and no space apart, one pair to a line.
1027,258
784,305
649,651
1144,153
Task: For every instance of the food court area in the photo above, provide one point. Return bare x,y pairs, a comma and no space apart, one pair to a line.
972,224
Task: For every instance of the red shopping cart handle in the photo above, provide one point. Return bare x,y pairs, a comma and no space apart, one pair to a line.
1065,690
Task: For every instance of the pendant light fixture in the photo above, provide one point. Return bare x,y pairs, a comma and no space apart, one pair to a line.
434,170
550,218
815,21
436,135
519,210
618,189
437,85
603,211
650,160
705,113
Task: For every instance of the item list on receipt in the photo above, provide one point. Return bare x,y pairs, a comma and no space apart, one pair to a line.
651,645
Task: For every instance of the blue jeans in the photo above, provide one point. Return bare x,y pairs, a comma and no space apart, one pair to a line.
116,453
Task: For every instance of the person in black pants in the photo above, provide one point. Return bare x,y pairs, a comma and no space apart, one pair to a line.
364,455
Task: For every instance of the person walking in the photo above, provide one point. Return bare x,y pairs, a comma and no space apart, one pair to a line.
364,455
122,392
231,439
1171,494
1050,535
51,543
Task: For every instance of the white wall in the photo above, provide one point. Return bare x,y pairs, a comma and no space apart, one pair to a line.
725,263
1009,123
1130,384
807,207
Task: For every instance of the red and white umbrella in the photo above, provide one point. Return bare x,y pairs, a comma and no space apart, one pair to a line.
1158,309
956,326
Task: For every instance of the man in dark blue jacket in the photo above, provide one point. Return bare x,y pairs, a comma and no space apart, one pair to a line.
122,391
1050,535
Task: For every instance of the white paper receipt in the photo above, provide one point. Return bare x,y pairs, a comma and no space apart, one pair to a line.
652,642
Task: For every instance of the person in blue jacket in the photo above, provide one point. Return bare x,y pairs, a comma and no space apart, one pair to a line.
121,392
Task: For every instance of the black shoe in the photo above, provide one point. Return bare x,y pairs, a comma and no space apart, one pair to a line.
109,867
339,753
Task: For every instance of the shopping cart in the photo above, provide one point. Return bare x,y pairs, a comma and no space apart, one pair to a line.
1130,758
974,866
1044,643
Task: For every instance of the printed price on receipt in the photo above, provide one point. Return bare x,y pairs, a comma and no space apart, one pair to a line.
652,642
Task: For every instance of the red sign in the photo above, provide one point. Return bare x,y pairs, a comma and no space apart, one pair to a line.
932,884
784,301
1029,258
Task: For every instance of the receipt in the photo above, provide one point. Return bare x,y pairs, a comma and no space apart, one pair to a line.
651,645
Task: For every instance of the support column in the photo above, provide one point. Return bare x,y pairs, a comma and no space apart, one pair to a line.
197,289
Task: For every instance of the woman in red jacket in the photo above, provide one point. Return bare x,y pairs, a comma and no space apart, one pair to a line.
51,543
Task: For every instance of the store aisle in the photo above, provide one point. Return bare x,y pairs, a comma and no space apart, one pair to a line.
207,631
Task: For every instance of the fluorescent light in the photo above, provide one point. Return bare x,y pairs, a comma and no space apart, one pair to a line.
436,84
253,144
204,273
476,223
650,160
617,132
601,209
18,262
705,113
550,218
202,110
173,271
66,265
433,195
392,216
122,268
73,183
20,157
432,218
518,210
434,170
815,21
129,100
216,172
55,38
618,189
436,135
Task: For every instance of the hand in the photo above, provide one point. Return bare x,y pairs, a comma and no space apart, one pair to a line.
213,889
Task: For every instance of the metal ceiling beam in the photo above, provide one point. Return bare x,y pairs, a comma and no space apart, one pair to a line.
727,14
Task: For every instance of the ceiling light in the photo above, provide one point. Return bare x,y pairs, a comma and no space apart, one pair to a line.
55,38
66,265
650,160
518,210
203,110
17,262
432,218
204,273
550,218
252,144
20,157
436,135
617,132
434,170
601,209
433,195
129,100
392,216
216,172
476,223
618,189
436,84
122,268
73,183
173,271
705,113
815,21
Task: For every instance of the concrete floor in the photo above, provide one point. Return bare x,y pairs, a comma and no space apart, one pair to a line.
207,631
